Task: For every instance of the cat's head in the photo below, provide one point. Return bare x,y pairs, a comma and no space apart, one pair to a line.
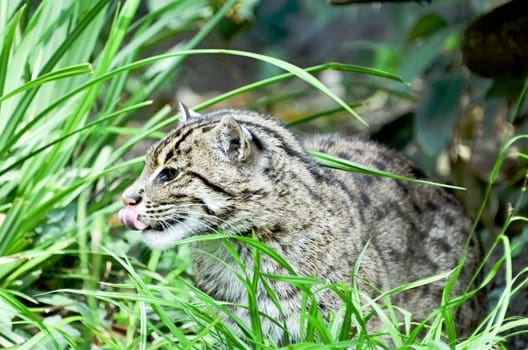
207,173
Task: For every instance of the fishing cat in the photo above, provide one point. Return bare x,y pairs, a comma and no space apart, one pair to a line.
245,174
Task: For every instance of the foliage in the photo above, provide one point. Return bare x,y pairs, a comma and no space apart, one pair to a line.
72,75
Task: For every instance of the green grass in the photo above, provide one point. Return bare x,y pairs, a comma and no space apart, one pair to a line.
69,278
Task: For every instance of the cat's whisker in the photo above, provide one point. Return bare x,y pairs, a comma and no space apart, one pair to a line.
176,217
215,221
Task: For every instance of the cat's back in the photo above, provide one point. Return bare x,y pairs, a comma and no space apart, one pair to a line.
418,230
381,195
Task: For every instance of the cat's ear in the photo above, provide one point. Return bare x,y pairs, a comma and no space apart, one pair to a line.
234,139
187,113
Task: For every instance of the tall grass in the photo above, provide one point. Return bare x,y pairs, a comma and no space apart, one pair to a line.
61,109
65,280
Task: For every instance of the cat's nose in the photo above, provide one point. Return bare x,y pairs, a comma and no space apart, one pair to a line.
131,198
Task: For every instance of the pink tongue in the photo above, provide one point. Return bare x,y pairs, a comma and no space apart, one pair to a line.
130,218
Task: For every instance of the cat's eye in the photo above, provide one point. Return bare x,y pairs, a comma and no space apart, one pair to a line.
168,174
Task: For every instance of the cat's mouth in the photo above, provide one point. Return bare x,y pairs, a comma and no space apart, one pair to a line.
130,217
159,227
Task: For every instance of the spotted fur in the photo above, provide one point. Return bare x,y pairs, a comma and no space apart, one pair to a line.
245,173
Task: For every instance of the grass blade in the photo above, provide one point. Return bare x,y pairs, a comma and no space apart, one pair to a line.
8,44
66,72
344,164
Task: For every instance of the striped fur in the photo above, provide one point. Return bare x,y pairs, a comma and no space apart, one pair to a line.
244,172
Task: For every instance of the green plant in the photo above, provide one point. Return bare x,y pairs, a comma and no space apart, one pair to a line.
61,109
72,74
